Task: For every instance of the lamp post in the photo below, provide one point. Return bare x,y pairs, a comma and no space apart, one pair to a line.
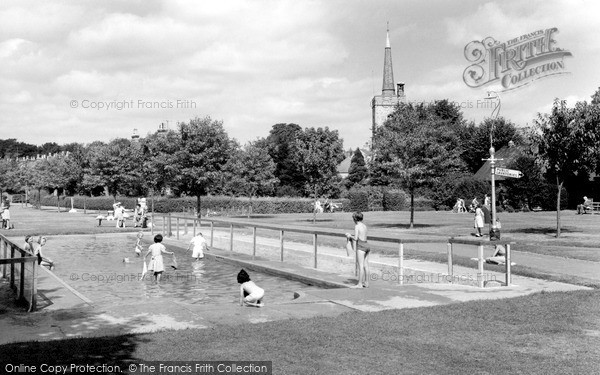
494,232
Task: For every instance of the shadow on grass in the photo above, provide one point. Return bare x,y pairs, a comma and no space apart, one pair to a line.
94,351
252,217
316,221
546,230
402,226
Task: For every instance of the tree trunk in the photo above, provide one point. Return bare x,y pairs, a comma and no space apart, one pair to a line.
559,184
198,205
315,207
412,208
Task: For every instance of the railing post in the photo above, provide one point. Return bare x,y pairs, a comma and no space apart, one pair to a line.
480,265
185,229
169,223
152,224
315,247
33,300
508,276
12,267
164,223
450,266
401,263
281,243
22,279
195,220
4,256
253,242
231,237
177,226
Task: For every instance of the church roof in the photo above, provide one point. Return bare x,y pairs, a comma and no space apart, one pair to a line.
389,88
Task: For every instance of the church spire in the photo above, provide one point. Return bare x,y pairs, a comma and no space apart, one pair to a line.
388,72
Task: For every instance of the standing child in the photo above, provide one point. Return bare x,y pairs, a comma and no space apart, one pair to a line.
138,244
359,242
250,293
478,220
6,214
157,249
198,245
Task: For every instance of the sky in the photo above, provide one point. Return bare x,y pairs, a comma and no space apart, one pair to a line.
82,71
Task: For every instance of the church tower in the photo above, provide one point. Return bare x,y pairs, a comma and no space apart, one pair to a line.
384,104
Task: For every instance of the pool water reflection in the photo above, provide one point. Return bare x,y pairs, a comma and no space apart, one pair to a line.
94,266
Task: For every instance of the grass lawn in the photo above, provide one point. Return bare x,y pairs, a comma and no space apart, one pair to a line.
544,333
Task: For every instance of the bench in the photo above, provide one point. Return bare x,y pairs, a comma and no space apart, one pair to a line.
594,207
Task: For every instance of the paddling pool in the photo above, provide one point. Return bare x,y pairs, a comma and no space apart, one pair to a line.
93,265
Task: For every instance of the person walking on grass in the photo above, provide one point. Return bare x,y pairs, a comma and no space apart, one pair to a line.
362,249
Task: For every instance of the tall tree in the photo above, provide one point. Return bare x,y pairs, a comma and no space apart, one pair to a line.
568,143
281,144
203,151
319,153
249,172
113,166
415,148
158,164
358,169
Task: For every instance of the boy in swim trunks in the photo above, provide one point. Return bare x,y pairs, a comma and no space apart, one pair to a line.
359,242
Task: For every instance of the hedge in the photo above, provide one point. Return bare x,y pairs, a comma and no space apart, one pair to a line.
218,204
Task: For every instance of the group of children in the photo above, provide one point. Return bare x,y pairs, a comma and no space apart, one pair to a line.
250,293
35,247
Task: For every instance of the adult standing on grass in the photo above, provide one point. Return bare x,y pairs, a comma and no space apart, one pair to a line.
359,242
157,249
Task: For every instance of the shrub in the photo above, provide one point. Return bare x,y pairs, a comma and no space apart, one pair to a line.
394,200
358,199
423,204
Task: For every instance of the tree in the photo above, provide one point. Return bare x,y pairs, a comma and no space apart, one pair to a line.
476,140
568,143
282,147
319,153
249,172
415,148
204,149
358,168
114,166
158,160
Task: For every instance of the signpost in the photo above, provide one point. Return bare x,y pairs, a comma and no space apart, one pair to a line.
509,173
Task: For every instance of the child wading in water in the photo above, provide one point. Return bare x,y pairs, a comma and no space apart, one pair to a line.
157,249
138,244
250,293
359,242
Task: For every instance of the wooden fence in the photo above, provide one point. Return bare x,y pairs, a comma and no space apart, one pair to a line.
168,221
20,267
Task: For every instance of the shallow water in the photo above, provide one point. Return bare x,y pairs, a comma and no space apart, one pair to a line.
93,265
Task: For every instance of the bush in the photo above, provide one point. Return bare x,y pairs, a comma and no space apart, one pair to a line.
358,199
394,200
423,204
